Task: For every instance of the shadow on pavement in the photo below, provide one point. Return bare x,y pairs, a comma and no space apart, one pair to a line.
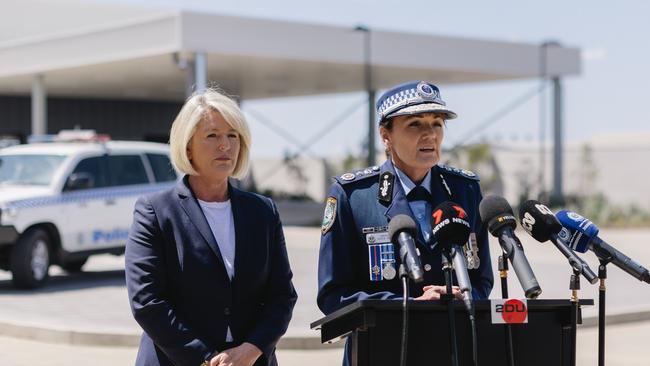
70,282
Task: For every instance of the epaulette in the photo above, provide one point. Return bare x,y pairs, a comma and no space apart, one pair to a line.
460,172
357,175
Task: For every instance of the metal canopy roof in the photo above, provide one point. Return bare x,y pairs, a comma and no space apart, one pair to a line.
107,51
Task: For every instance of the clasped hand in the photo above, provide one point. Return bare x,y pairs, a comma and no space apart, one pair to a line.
433,292
243,355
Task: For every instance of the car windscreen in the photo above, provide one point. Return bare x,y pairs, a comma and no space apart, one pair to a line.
28,169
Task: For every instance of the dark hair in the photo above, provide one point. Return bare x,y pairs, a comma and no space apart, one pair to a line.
387,124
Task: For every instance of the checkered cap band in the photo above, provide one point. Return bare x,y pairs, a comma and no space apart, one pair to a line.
411,94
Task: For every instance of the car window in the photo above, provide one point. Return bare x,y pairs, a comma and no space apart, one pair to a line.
96,168
28,169
162,167
126,169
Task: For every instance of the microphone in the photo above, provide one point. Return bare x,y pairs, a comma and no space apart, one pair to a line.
449,225
460,267
401,230
501,223
583,235
539,221
451,230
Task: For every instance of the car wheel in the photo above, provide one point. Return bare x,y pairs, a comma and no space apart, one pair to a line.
74,266
30,259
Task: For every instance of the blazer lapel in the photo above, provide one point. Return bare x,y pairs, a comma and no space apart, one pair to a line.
243,222
193,210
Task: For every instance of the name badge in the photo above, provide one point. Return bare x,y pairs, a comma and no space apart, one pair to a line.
375,238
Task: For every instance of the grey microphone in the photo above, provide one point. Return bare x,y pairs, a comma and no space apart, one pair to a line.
460,268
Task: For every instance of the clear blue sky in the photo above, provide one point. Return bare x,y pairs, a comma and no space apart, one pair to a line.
607,98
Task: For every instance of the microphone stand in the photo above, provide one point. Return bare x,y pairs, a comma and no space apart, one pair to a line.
448,298
602,275
503,273
574,286
405,314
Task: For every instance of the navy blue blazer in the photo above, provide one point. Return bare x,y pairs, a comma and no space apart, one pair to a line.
178,287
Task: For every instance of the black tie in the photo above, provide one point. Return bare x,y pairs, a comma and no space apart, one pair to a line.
419,193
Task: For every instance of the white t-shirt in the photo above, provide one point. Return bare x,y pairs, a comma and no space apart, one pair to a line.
219,217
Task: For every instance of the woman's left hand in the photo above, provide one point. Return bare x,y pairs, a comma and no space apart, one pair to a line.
243,355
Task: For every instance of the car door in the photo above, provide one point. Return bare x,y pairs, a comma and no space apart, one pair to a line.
128,180
82,208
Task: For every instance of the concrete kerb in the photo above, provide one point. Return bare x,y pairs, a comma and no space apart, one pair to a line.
68,336
87,338
619,317
289,342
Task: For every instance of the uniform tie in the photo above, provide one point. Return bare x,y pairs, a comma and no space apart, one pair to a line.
419,193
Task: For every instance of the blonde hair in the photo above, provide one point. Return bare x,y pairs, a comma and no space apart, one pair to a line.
196,108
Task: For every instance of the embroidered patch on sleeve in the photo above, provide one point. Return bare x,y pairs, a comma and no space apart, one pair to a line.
329,215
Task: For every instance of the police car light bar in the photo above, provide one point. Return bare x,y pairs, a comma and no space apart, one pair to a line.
74,135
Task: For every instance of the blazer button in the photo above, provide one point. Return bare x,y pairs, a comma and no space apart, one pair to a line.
226,311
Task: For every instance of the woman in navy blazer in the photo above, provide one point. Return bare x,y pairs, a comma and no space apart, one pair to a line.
207,270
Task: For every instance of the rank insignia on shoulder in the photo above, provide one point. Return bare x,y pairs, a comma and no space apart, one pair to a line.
386,184
329,215
357,175
468,173
462,172
348,176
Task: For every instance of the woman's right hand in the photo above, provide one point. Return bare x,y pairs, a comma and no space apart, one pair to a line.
433,292
243,355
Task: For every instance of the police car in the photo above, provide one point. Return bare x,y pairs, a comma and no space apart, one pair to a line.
61,202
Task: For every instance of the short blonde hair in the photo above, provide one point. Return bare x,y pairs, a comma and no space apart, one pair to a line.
196,108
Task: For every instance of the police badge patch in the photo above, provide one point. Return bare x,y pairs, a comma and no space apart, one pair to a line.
329,215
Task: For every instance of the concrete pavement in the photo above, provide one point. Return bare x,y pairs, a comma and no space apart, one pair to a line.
626,346
90,309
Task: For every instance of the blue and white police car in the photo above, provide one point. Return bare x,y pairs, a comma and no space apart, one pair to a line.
61,202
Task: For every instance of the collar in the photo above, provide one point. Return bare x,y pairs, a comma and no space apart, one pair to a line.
407,183
184,190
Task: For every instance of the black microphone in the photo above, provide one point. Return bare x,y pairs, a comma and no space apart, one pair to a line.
497,214
401,230
449,225
451,230
539,221
584,236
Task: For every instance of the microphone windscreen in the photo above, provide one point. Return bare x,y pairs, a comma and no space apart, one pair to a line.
450,225
581,230
401,223
538,220
496,212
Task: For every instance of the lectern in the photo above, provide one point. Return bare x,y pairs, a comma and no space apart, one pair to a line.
374,328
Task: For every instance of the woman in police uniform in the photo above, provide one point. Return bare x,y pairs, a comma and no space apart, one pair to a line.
357,260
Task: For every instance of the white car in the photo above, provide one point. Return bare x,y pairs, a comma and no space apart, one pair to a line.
62,202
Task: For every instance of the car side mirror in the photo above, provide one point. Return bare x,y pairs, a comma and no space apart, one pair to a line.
77,181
